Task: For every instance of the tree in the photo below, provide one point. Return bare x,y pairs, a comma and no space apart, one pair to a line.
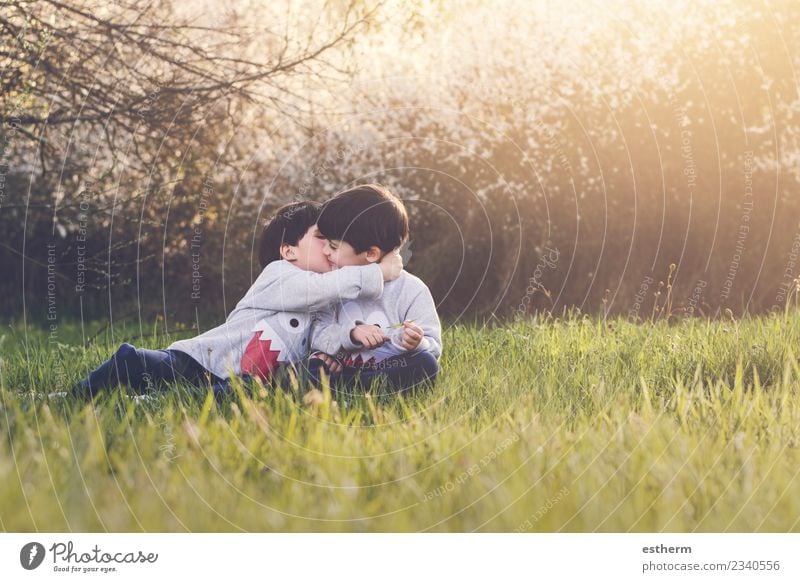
106,107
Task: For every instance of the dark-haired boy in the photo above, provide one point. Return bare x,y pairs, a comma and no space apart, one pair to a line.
269,327
396,335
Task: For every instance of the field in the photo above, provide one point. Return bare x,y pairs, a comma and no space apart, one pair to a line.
569,424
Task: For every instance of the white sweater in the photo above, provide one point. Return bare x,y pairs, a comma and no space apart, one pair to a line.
407,297
273,320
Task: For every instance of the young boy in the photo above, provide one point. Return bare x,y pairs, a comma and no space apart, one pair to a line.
395,335
269,328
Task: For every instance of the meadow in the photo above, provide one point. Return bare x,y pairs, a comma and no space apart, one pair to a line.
552,424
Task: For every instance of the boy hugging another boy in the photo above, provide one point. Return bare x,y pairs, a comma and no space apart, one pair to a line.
268,332
395,335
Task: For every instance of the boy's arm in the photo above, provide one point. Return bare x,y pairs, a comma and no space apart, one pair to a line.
422,311
330,336
288,288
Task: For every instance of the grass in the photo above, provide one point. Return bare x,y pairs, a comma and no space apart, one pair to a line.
570,424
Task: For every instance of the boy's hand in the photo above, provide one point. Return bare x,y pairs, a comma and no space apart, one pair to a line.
391,265
412,336
334,366
369,336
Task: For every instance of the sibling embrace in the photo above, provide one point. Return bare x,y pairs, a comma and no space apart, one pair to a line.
332,299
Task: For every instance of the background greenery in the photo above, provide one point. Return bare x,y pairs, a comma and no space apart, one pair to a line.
568,424
627,136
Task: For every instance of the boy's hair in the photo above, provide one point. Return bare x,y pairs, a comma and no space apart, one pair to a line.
288,225
365,216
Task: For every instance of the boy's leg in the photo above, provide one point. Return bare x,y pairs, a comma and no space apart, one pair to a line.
341,382
184,367
403,372
222,388
137,367
312,371
281,377
414,370
107,374
406,371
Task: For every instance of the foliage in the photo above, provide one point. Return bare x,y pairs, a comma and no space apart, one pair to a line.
565,424
624,137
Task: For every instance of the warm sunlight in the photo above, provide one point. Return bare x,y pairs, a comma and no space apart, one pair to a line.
326,266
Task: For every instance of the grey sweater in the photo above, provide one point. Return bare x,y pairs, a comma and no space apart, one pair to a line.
272,323
407,297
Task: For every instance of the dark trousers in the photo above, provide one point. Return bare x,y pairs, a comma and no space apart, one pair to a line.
402,373
141,369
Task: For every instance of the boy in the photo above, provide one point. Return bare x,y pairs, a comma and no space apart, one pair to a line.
269,328
395,335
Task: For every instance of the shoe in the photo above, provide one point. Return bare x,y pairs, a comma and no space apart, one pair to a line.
140,398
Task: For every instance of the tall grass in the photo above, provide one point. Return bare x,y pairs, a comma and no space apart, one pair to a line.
570,424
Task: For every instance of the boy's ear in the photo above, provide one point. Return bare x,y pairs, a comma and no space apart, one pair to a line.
287,252
374,254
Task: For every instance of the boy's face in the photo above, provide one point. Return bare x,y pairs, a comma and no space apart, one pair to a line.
342,254
308,255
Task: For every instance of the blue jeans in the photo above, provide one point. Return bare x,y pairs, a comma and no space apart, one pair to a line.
140,368
402,373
